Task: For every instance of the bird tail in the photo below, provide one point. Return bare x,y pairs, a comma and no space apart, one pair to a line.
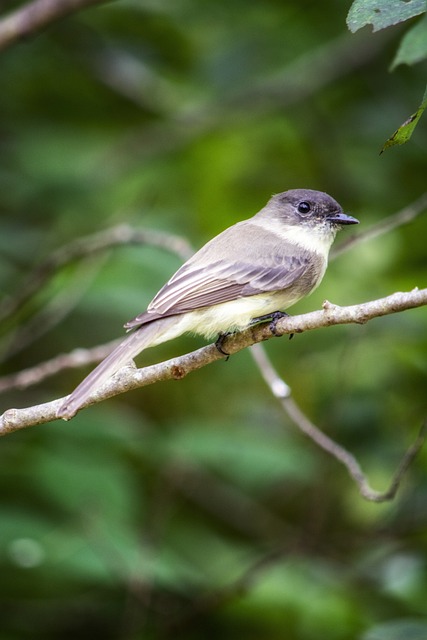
147,335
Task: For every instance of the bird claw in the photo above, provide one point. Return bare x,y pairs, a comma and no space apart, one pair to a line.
273,318
220,342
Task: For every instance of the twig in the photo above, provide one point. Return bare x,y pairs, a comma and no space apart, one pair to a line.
225,501
86,247
122,235
51,313
205,604
76,358
406,215
281,391
294,83
129,378
35,16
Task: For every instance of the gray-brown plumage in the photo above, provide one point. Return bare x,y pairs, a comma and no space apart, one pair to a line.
254,268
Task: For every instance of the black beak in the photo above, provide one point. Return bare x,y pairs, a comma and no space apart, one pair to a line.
342,218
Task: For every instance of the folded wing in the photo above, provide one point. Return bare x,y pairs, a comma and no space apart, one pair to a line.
192,288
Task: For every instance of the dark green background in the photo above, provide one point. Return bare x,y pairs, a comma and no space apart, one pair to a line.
143,516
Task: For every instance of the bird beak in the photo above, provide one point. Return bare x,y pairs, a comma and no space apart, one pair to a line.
342,218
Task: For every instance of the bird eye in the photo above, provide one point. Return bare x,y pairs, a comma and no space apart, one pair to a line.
304,207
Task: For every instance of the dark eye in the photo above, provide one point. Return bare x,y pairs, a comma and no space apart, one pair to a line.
304,207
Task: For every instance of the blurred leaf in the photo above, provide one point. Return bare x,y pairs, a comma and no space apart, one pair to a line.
382,13
186,116
242,454
398,630
413,46
282,589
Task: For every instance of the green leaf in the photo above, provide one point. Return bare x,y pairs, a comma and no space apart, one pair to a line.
382,13
413,47
398,630
405,131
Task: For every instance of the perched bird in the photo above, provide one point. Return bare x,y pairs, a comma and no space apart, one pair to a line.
248,272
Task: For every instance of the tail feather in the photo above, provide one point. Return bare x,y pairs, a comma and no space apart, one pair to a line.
147,335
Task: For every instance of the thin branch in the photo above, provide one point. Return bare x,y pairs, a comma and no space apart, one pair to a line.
406,215
281,391
129,378
35,16
210,602
86,247
76,358
294,83
51,313
122,235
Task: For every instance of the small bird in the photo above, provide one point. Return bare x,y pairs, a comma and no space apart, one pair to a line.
251,271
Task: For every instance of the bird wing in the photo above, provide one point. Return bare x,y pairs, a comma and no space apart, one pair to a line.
221,282
191,288
204,280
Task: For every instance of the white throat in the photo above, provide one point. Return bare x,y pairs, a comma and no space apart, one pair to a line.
316,239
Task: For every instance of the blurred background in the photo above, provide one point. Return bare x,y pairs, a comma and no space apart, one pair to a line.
196,509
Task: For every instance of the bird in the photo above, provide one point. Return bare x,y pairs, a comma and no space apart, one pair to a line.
253,270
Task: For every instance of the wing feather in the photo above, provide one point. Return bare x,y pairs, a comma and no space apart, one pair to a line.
204,280
191,289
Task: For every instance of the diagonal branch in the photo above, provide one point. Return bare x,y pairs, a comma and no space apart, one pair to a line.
35,16
404,216
281,391
85,247
206,603
121,235
76,358
129,378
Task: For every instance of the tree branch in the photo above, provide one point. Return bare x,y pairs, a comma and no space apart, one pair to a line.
404,216
209,602
76,358
129,378
122,235
35,16
281,391
87,246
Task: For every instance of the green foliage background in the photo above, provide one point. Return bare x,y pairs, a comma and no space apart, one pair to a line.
194,509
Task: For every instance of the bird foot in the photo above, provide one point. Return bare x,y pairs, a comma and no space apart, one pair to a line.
220,343
273,318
